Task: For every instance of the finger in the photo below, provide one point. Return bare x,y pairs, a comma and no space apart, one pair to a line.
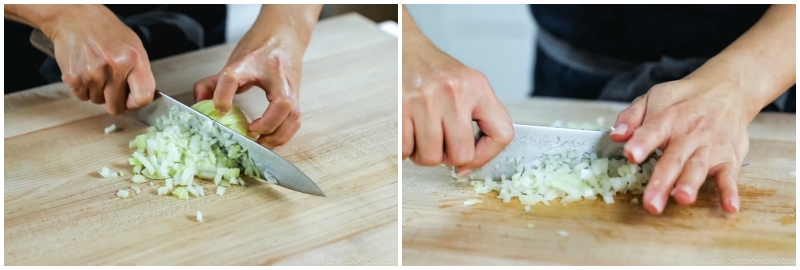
276,114
694,174
495,123
142,85
428,140
459,142
629,120
76,85
281,136
116,93
666,172
95,86
408,137
649,136
227,85
726,177
204,89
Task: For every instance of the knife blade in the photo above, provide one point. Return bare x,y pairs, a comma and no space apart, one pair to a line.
534,141
288,175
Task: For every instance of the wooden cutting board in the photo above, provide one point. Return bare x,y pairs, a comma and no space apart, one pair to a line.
59,211
438,229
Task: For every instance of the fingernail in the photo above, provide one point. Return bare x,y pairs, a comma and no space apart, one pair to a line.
658,202
687,190
735,203
464,173
638,153
620,129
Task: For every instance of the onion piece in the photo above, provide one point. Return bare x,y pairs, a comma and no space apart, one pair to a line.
471,201
105,172
136,189
562,233
162,190
138,179
110,128
199,216
220,190
181,193
123,193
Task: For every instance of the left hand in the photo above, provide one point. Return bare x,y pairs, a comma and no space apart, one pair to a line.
272,63
701,126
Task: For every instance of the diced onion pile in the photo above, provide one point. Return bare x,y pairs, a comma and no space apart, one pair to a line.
570,177
181,147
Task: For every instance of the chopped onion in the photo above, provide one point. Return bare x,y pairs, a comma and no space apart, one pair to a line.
138,179
123,193
162,190
136,189
107,173
569,177
192,190
181,147
199,216
111,128
181,193
562,233
528,208
220,190
471,201
151,184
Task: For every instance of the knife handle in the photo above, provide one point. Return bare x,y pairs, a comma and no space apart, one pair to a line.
42,42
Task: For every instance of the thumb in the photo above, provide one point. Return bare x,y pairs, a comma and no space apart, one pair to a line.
142,85
629,120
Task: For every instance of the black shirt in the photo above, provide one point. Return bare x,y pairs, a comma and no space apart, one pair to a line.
639,33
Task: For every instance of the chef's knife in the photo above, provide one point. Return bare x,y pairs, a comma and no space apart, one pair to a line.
534,141
287,175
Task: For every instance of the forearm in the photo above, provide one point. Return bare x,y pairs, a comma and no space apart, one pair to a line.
412,34
37,16
761,61
297,19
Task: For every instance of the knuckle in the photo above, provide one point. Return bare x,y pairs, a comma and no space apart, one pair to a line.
697,163
670,161
505,134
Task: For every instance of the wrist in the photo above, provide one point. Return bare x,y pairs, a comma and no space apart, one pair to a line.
736,80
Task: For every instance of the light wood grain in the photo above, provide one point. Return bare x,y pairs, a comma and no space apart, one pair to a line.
59,211
439,230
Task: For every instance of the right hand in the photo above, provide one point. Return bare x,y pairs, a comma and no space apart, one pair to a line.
101,58
441,98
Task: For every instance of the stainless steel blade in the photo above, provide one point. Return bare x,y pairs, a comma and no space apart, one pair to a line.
533,141
288,175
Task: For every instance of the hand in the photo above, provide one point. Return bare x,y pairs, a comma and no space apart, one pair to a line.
701,125
441,98
101,58
273,64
